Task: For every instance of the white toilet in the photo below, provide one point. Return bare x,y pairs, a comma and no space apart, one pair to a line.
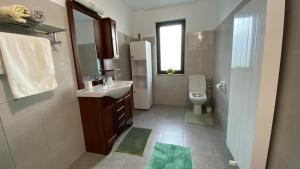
197,92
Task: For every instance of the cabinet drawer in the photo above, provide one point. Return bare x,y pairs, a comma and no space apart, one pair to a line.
122,122
120,112
119,104
122,126
122,119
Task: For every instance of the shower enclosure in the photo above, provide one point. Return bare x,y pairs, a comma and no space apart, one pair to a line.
256,52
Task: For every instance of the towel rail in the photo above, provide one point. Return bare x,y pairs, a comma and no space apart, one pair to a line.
49,31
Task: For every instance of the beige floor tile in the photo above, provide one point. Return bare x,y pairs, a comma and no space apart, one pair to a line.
167,123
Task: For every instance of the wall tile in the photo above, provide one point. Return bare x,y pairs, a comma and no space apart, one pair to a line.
44,131
199,50
5,94
65,155
6,160
30,150
222,69
20,117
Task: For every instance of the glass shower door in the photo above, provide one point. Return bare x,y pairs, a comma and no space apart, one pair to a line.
6,161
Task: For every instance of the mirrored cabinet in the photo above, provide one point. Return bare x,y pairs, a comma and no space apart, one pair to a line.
109,39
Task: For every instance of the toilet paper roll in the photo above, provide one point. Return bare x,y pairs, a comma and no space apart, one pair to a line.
222,86
219,86
88,85
233,163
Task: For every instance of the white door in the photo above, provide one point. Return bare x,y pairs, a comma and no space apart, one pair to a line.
138,50
246,138
141,99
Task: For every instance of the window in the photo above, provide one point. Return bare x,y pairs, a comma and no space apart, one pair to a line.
170,37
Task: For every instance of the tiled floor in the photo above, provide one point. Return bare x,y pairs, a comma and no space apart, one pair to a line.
207,143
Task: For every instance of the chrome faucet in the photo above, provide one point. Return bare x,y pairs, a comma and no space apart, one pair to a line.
105,81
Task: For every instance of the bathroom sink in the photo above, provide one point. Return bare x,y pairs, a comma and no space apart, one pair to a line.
115,90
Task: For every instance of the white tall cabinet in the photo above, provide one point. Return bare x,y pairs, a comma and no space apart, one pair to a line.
141,65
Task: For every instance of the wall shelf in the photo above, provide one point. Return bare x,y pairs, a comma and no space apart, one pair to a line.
34,27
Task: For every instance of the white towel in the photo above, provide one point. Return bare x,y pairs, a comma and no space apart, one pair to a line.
16,13
28,64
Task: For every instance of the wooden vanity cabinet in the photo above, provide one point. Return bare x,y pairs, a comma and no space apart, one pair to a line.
103,120
128,101
110,49
109,125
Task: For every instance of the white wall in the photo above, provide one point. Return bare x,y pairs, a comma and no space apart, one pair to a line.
225,7
200,16
114,9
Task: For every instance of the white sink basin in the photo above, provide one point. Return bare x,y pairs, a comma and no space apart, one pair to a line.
115,90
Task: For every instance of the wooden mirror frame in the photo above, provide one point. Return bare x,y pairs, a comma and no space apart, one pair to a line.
71,5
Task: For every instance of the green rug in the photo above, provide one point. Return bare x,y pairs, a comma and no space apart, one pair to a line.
204,119
135,141
168,156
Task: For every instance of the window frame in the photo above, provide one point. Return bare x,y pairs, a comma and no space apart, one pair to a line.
169,23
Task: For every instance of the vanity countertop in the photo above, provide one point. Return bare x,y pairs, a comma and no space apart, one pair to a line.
115,90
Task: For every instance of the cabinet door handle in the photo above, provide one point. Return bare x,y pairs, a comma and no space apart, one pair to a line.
132,57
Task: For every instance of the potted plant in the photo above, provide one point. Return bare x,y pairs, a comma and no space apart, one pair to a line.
170,71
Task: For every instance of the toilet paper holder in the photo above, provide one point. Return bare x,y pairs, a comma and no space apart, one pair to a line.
221,86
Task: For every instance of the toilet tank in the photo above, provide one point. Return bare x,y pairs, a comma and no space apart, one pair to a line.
197,83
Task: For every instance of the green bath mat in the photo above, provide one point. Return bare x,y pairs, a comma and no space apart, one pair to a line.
204,119
135,141
168,156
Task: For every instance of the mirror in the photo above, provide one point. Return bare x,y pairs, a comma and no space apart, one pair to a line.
86,43
84,25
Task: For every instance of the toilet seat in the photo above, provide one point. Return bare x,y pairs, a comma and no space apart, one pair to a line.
197,92
198,96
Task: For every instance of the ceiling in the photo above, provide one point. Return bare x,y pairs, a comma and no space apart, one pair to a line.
151,4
